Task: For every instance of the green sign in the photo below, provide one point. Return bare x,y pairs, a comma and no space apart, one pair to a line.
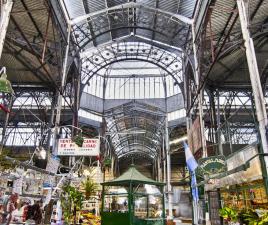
212,165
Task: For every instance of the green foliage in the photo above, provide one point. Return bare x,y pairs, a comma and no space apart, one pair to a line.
71,200
228,214
90,187
78,139
250,217
107,162
245,216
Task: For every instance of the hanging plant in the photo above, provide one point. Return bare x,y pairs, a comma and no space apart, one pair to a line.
107,162
78,140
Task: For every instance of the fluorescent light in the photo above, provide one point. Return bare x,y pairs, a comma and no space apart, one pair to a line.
179,140
127,132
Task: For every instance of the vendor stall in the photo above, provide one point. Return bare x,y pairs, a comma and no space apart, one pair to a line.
241,188
132,199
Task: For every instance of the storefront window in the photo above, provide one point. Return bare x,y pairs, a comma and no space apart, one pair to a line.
115,203
251,195
141,204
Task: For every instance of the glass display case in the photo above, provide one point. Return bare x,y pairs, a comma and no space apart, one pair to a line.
133,199
250,195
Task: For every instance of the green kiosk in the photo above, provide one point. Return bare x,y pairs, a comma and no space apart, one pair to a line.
132,199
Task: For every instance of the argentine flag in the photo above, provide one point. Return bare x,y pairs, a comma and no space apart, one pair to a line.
192,165
190,160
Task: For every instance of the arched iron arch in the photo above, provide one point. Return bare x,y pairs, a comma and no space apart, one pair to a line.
174,26
120,28
167,61
138,150
141,140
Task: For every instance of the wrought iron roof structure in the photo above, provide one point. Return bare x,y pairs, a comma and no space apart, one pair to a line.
97,23
158,32
135,128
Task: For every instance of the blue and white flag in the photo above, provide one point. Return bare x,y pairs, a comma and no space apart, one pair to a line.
190,160
194,187
192,165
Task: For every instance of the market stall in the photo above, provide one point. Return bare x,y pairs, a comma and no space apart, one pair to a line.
132,199
241,188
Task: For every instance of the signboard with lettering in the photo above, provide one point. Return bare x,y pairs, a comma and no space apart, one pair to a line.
212,165
91,147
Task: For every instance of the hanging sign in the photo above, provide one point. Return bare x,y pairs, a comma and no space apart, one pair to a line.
195,136
212,165
52,166
91,147
17,185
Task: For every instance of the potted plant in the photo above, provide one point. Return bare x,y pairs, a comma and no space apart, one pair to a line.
250,217
90,187
78,139
229,215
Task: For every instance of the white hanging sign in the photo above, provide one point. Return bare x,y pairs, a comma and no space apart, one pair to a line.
52,166
91,147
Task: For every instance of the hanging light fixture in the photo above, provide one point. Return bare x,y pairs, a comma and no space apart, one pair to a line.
5,85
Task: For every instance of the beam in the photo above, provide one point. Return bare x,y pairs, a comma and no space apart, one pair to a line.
130,5
4,20
32,19
89,23
38,74
254,76
31,47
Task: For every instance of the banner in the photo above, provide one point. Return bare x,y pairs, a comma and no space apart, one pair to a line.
194,136
91,147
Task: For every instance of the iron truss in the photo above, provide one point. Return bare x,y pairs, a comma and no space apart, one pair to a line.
101,57
135,128
131,18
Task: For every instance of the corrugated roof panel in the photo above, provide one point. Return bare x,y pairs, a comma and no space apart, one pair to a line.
95,5
103,38
145,33
170,5
150,3
120,33
75,8
111,3
16,71
186,7
261,14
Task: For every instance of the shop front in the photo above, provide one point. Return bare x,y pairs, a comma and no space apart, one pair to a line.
241,189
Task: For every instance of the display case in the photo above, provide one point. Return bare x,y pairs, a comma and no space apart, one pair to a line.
133,199
249,195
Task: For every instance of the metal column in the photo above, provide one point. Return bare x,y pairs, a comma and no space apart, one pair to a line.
254,74
59,101
169,190
202,127
200,95
4,20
